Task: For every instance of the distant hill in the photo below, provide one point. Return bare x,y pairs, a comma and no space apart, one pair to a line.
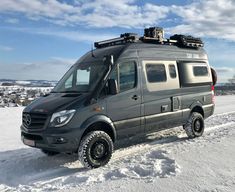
28,83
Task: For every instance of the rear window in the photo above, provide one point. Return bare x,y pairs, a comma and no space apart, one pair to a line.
156,73
200,71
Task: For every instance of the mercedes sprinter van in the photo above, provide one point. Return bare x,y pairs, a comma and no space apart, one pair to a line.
127,86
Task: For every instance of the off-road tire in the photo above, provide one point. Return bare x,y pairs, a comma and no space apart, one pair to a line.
91,145
195,125
49,153
214,76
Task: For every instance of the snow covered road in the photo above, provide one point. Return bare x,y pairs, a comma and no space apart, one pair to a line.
166,161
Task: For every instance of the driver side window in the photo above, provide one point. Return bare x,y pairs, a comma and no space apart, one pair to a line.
126,75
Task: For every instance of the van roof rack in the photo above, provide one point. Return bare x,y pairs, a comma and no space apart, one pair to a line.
124,38
153,35
187,41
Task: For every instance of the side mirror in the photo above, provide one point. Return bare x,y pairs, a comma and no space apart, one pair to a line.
112,86
108,60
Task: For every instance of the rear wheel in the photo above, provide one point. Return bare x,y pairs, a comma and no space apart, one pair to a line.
195,125
96,149
49,153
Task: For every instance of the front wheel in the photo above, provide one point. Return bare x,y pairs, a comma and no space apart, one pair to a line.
96,149
195,125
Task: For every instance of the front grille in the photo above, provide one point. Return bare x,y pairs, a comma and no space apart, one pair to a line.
34,120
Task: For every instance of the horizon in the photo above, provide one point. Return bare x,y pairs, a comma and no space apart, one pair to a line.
40,36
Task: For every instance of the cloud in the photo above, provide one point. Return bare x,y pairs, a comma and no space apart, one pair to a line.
79,36
225,70
39,8
29,66
12,20
211,18
221,51
97,13
52,69
224,73
63,61
6,48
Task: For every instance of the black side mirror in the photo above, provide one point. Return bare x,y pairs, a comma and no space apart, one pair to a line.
112,86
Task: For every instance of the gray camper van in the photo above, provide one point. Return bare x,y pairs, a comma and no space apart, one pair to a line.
127,86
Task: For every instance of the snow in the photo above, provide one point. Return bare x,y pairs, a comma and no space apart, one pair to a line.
23,82
224,103
166,161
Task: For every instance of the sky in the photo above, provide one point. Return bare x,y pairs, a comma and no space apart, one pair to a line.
41,39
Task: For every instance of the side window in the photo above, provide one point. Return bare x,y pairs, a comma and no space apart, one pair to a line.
156,73
172,71
200,71
114,74
161,75
83,77
126,75
69,82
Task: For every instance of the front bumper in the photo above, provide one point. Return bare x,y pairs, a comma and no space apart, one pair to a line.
53,139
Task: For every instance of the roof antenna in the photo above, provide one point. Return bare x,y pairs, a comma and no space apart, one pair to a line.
92,50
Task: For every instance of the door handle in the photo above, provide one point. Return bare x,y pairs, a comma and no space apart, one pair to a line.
135,97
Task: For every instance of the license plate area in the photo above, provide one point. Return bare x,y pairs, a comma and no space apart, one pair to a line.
29,142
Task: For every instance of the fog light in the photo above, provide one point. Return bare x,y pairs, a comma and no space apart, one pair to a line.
60,140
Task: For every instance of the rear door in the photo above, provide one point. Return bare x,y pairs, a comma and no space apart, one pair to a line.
125,108
161,98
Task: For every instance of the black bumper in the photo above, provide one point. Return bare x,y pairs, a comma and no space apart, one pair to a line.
57,139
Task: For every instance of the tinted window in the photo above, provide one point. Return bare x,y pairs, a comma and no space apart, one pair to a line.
127,72
83,77
200,71
172,71
69,82
126,76
156,73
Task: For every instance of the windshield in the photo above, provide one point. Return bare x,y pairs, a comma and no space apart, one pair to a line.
81,78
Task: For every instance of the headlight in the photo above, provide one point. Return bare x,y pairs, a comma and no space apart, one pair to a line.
61,118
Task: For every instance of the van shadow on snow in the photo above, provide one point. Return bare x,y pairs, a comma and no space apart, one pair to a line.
161,137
